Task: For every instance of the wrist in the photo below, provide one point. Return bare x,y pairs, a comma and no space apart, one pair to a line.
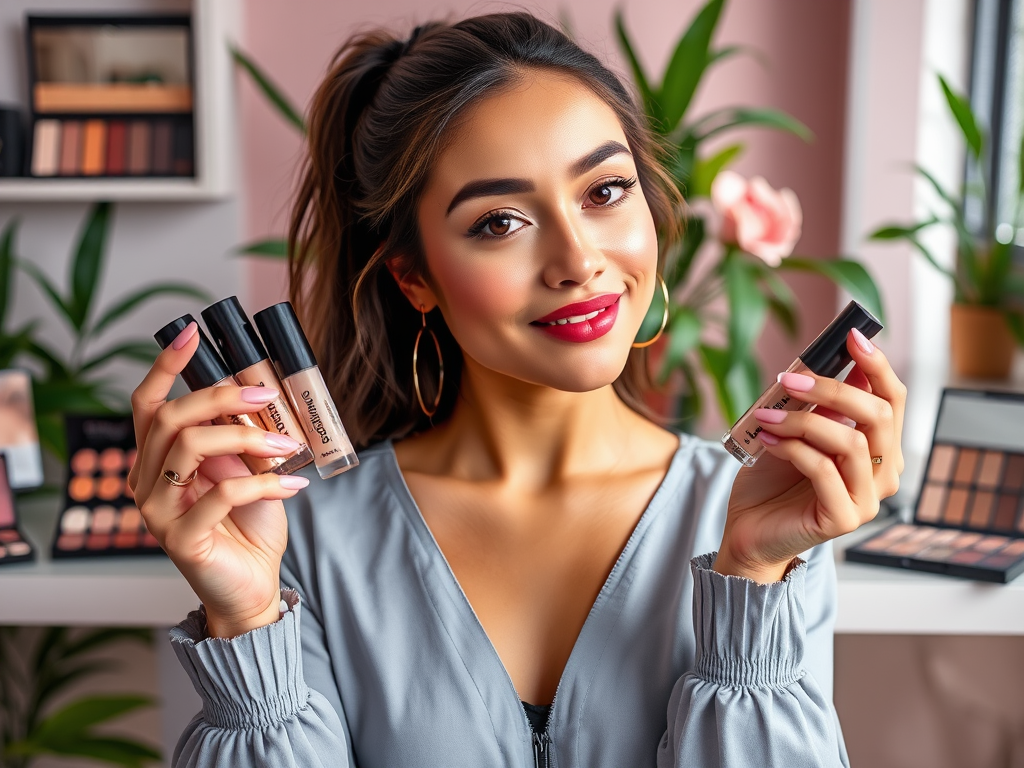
762,573
227,628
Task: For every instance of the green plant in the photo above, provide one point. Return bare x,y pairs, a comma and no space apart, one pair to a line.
69,382
984,273
38,665
752,289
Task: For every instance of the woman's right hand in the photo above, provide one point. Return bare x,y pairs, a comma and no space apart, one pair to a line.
225,531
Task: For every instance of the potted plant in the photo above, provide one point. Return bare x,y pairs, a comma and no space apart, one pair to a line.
987,315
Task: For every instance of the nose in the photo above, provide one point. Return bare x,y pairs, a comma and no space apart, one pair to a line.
571,258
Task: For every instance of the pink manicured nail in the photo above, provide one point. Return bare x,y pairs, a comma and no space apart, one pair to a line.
863,342
768,438
282,442
770,415
259,394
796,382
183,338
293,482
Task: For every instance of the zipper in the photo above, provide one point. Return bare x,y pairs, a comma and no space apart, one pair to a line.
541,750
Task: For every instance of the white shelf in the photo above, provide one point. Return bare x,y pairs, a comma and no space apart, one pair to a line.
878,600
65,190
214,23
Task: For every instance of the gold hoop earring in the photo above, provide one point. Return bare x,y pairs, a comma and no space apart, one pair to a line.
415,374
664,318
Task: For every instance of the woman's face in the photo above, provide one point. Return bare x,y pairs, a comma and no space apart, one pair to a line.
534,210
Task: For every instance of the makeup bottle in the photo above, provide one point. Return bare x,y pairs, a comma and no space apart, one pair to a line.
304,384
825,356
247,360
206,369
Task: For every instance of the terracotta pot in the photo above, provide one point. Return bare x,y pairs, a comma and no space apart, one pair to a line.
981,343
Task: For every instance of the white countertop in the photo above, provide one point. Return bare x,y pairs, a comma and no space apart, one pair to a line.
149,591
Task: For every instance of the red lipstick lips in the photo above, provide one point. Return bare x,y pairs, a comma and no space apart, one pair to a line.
583,321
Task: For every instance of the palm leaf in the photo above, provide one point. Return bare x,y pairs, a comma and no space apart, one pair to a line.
748,307
140,350
6,265
127,303
273,93
650,104
848,275
960,108
705,171
273,247
83,713
683,337
687,65
48,290
736,117
88,263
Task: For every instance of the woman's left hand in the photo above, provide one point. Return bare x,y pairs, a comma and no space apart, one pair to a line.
817,480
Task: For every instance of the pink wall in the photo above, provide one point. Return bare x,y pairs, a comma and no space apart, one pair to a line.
799,66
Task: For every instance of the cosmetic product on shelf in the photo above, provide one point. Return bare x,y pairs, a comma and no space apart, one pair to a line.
100,517
969,516
206,369
825,356
247,360
307,391
14,546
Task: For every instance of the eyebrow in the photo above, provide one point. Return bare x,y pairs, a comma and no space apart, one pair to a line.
489,187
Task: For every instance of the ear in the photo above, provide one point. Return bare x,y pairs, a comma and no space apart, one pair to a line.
412,285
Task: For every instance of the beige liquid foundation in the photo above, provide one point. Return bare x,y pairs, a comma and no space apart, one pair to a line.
247,359
304,384
825,356
206,369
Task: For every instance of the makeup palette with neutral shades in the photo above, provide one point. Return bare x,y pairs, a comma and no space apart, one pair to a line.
100,517
969,518
14,547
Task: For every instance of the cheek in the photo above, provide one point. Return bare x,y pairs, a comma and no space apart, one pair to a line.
481,290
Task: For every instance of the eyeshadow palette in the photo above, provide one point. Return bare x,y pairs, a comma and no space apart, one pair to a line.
969,518
100,516
14,547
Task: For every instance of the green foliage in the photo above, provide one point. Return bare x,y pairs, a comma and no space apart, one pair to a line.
33,676
72,381
984,273
274,95
753,290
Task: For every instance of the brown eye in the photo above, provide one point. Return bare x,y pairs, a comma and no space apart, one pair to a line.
601,195
499,225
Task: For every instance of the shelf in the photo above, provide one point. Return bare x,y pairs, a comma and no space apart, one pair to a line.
878,600
65,190
145,591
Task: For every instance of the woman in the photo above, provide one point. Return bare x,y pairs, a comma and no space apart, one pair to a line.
491,183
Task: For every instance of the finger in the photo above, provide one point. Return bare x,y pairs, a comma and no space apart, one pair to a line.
884,382
194,445
153,391
190,410
841,514
848,446
186,537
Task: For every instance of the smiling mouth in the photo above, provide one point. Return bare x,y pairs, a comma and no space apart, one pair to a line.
574,319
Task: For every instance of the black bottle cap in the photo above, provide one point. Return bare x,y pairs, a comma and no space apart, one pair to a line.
205,368
233,334
827,354
287,344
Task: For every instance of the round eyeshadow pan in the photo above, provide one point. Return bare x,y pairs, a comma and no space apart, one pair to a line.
103,518
84,462
81,488
75,520
98,541
112,461
9,535
18,548
131,519
126,539
109,487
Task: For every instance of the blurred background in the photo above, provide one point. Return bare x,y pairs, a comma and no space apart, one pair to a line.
893,126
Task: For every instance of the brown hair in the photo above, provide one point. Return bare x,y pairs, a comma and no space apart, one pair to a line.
377,123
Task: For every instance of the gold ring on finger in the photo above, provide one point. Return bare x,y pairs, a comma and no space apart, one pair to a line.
173,478
876,459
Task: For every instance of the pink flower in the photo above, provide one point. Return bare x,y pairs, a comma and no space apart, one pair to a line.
757,218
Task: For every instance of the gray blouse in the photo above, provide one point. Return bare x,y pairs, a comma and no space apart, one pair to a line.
380,662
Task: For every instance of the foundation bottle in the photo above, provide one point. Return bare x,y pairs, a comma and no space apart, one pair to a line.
825,356
206,369
304,384
247,360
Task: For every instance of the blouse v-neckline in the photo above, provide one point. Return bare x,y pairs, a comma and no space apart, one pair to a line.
573,671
